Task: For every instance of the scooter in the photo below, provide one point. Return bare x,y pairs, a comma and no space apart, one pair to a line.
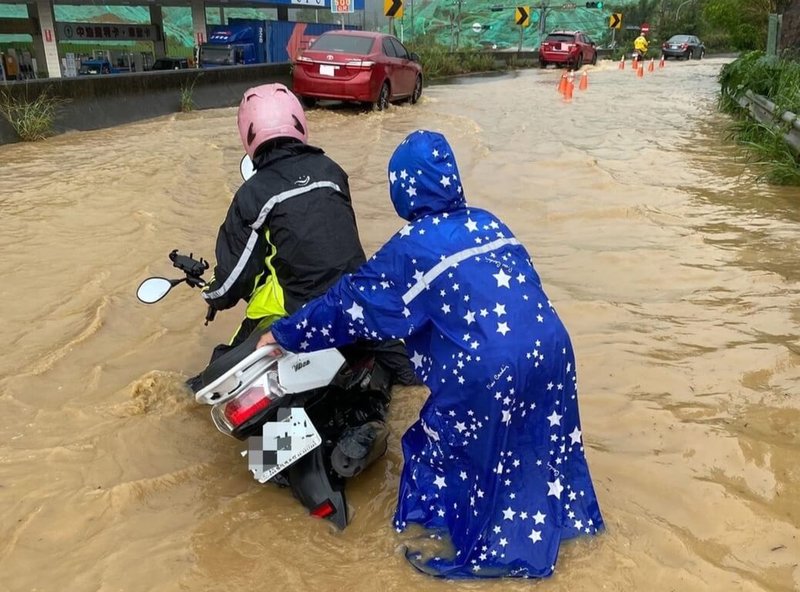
311,420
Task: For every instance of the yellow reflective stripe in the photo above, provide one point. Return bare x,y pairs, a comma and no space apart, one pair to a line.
267,300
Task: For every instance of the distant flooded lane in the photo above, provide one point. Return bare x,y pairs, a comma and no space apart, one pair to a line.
674,270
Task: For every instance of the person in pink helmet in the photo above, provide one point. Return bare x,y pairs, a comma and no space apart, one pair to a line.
290,232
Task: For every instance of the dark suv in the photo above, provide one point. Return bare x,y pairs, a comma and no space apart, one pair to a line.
567,48
170,64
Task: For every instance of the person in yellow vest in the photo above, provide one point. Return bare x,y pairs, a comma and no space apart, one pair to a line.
640,45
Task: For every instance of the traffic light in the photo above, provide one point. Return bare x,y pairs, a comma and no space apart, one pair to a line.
594,5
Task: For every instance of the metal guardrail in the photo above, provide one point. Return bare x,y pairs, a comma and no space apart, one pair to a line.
766,112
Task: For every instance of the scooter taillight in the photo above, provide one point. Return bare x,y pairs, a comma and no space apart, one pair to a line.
323,510
248,404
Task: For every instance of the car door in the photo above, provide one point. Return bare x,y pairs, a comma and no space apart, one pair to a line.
393,66
408,74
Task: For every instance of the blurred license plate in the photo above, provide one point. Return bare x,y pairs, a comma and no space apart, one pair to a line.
281,444
327,70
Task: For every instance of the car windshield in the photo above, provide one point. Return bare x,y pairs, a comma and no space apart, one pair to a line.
344,44
679,39
560,38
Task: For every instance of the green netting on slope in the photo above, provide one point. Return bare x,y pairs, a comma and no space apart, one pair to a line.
433,18
430,17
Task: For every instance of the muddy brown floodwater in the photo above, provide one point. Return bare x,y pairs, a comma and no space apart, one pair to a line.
675,271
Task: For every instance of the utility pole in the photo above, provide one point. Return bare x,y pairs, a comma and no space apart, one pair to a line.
458,24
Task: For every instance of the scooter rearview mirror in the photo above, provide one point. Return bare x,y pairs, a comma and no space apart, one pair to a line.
246,167
153,289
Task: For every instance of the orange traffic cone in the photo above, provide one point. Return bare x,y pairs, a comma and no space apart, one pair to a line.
584,81
662,62
622,63
652,65
569,88
562,84
640,71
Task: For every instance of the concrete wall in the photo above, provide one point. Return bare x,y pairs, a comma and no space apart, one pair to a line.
104,101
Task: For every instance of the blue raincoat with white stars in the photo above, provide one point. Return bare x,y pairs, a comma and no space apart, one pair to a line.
496,459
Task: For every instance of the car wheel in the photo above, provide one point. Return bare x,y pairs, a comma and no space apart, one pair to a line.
542,63
417,91
579,61
308,102
594,59
383,98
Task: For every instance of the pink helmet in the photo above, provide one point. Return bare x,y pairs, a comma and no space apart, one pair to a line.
268,112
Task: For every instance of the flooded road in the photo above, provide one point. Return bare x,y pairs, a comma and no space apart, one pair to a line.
675,271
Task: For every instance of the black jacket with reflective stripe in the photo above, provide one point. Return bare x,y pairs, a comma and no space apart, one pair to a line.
300,199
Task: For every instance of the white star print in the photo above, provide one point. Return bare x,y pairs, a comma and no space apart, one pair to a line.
469,317
411,193
506,416
355,312
503,542
502,279
508,513
445,308
538,517
484,312
555,488
575,436
471,225
535,536
417,359
403,174
445,181
435,153
439,482
460,426
503,328
406,230
521,278
554,419
499,309
392,177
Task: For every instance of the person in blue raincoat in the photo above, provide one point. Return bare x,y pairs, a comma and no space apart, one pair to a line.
496,460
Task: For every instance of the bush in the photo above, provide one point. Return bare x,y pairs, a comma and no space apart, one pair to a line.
32,119
187,95
775,78
438,61
778,80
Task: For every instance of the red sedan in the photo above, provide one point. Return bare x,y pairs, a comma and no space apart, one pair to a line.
361,66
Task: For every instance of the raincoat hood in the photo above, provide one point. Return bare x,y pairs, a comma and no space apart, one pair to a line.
424,177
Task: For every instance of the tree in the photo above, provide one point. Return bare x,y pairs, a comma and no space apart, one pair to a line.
744,20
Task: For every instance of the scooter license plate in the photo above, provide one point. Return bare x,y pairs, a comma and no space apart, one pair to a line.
281,443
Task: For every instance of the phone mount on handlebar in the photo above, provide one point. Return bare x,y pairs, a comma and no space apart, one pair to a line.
191,267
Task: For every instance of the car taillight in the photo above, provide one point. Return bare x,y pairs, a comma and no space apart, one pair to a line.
323,510
362,64
247,405
301,58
